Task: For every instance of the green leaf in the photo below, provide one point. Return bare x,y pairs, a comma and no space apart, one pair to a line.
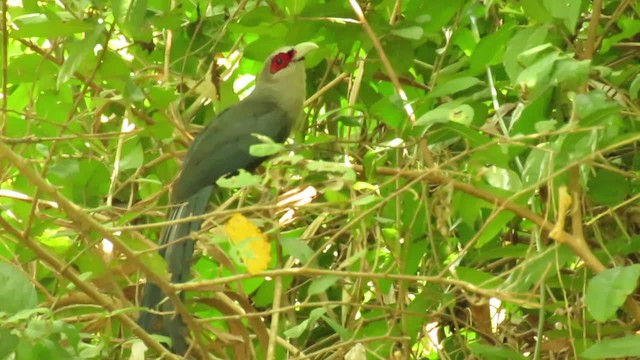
453,86
40,25
479,278
8,342
485,351
57,243
130,16
536,267
630,27
263,150
400,53
432,14
501,178
264,296
347,172
445,113
16,290
65,168
508,250
567,10
594,107
523,40
546,126
322,283
624,347
535,53
294,7
242,180
297,249
536,10
635,87
493,228
365,200
602,191
490,50
608,290
537,165
161,97
472,136
344,333
538,73
298,330
411,32
571,71
27,314
28,68
132,155
78,52
462,114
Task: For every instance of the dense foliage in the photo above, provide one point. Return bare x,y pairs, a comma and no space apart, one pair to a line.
465,183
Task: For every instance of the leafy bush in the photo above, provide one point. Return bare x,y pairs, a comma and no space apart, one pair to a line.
464,184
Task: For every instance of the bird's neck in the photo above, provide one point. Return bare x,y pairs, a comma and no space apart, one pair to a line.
289,96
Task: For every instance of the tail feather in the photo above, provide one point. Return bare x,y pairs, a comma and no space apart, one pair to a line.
178,254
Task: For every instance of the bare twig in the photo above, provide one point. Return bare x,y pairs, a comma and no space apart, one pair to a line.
422,144
86,224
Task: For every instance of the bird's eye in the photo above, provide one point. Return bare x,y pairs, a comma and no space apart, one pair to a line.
281,61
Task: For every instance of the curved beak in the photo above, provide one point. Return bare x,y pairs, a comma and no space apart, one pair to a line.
303,49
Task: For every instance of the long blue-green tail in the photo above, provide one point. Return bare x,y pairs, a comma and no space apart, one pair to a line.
177,250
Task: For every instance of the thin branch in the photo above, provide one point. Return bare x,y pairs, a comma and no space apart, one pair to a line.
5,65
313,272
422,144
69,273
86,224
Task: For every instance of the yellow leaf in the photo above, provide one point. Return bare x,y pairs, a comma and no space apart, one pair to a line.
254,246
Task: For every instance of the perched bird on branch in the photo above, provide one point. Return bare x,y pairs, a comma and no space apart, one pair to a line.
222,148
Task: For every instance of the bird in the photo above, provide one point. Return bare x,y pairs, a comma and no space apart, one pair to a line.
221,149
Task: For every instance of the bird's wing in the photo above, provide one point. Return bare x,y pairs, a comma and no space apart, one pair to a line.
223,146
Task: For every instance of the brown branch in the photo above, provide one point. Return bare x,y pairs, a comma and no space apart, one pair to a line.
592,31
422,144
69,273
577,241
35,139
312,272
97,88
577,244
87,224
5,65
612,20
403,80
338,79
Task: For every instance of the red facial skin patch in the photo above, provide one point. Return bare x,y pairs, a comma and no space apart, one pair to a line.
281,61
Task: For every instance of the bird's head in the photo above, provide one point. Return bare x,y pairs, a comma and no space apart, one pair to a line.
283,80
286,64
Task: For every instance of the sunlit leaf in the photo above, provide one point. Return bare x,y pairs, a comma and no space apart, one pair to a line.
635,87
77,54
412,32
608,290
602,191
242,180
627,346
265,149
323,283
16,290
567,10
297,330
454,86
254,246
495,352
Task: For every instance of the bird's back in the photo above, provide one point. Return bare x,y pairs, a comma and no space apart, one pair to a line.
223,146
